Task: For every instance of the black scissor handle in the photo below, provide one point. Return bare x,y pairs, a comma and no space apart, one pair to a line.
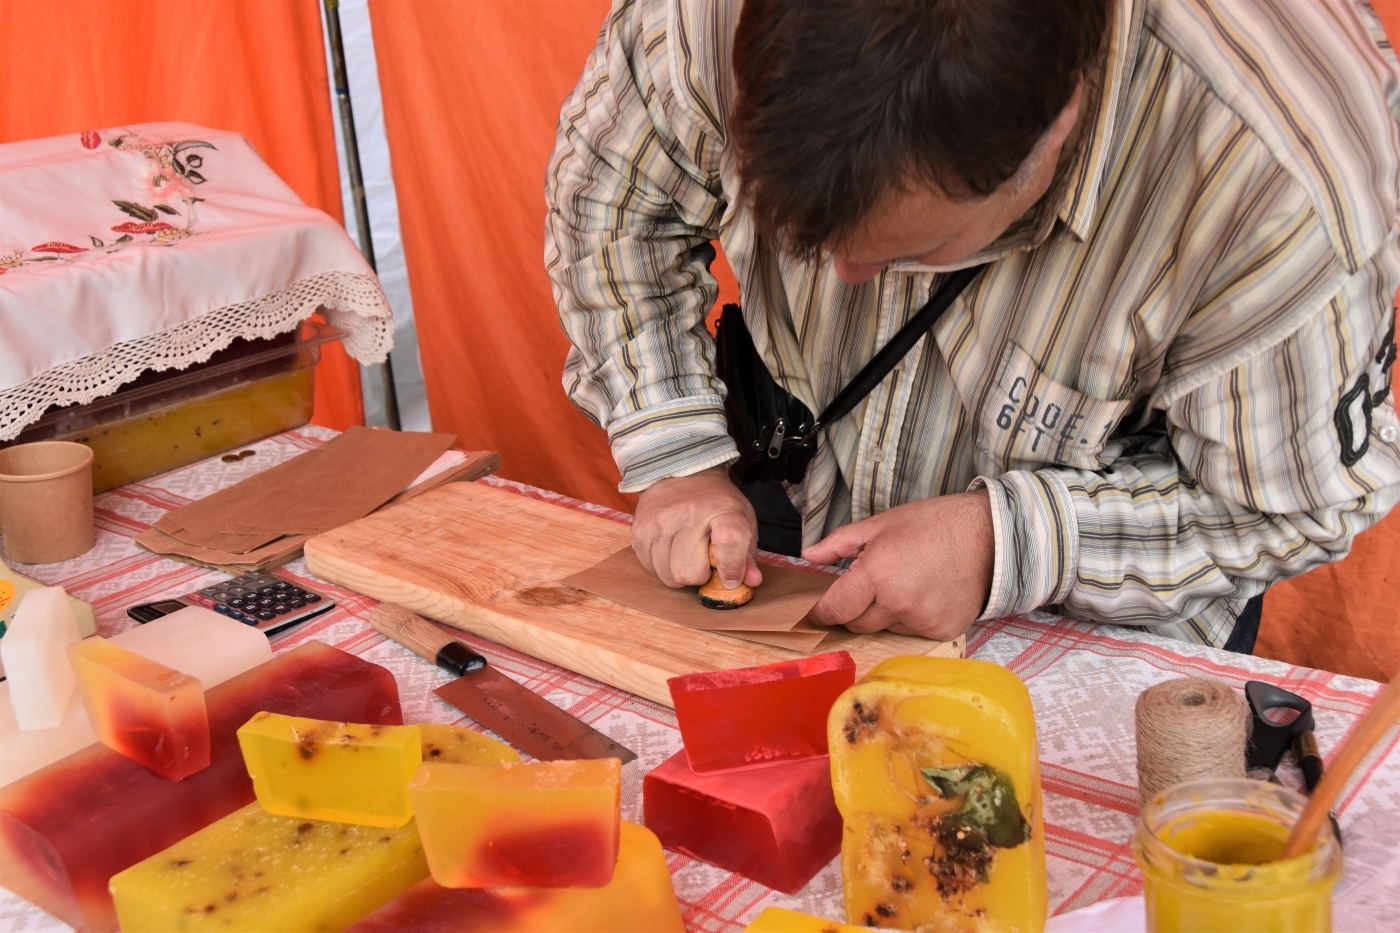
1269,740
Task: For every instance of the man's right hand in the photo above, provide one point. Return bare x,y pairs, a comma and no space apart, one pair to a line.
679,518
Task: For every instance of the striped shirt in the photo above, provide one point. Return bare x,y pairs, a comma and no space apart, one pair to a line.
1173,379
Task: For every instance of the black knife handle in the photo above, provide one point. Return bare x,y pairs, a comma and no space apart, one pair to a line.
458,658
424,639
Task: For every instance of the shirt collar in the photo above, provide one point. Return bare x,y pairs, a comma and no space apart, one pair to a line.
1080,200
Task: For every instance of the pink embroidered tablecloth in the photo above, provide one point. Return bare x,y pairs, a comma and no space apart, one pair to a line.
150,247
1084,681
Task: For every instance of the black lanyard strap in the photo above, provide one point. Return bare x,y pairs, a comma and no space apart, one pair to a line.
879,365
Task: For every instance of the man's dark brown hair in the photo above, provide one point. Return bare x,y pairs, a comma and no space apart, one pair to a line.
841,100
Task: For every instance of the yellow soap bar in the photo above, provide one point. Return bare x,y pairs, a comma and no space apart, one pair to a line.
342,771
253,870
782,920
460,745
545,824
936,772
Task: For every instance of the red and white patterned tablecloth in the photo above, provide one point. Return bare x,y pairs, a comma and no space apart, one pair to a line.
1084,681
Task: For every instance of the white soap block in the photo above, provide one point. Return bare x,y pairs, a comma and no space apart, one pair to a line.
194,641
36,664
209,647
22,752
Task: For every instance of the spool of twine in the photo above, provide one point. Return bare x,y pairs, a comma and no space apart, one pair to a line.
1188,729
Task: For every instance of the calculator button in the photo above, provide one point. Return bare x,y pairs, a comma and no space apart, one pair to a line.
236,602
265,615
312,598
222,610
209,590
280,608
296,603
283,585
267,590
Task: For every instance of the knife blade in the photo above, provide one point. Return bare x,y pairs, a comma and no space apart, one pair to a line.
514,712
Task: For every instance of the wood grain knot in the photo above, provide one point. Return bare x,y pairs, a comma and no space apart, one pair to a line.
550,594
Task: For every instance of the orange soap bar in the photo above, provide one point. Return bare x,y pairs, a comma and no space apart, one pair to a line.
66,829
756,715
777,824
546,824
639,899
149,712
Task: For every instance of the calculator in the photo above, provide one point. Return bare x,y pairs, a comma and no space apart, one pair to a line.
260,599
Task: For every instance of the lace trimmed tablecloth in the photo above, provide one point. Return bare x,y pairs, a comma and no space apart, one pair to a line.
1083,679
150,247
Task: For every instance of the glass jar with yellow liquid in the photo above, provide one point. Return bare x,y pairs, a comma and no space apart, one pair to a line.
1209,852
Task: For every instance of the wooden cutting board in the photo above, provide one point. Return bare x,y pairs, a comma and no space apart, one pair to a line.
486,561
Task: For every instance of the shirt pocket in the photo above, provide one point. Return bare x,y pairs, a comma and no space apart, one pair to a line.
1029,420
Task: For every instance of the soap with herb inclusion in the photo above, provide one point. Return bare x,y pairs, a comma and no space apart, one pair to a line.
66,829
935,769
638,899
546,824
343,771
146,711
757,715
460,745
254,870
776,824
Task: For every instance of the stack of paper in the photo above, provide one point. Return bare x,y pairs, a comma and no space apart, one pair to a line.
263,521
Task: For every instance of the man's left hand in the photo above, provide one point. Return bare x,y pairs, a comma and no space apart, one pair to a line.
922,568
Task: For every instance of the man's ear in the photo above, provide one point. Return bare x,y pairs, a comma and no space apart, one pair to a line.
1064,123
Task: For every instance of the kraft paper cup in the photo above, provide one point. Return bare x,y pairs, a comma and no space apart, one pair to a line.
46,501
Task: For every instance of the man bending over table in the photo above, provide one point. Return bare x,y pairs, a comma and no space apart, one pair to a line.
1188,212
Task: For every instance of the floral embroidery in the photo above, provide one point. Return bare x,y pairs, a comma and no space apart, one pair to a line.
132,227
167,185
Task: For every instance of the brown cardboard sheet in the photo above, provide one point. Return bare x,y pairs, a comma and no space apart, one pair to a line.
255,524
779,604
345,479
805,637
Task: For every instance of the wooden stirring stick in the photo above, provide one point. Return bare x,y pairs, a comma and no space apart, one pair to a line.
1369,730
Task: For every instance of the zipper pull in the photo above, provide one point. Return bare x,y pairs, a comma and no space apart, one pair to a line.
775,446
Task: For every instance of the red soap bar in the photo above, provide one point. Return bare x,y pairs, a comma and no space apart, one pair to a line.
777,824
755,715
68,828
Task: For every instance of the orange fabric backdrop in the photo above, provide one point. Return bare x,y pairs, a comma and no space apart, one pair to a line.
471,99
255,68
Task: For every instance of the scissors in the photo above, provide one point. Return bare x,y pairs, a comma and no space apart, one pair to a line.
1270,738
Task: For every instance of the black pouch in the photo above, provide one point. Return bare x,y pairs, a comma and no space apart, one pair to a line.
775,432
771,425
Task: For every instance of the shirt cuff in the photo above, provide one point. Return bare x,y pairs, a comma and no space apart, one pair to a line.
1037,541
675,438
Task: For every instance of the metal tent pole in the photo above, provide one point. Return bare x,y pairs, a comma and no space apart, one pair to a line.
357,183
